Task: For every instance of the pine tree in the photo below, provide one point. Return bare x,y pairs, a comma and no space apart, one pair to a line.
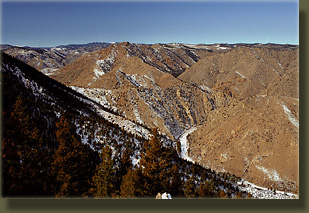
11,167
206,189
130,185
71,164
176,183
154,166
222,194
11,156
190,188
239,195
125,163
104,178
26,165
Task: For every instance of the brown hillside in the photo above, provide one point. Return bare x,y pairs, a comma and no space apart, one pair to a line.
243,99
245,70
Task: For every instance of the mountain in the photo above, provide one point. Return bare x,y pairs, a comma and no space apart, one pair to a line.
137,81
48,60
178,86
230,108
246,71
36,112
257,137
44,103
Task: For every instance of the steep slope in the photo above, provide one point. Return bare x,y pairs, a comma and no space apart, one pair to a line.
47,100
257,140
169,58
140,91
245,70
48,60
51,92
256,137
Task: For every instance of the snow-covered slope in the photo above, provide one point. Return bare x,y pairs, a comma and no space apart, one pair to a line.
264,193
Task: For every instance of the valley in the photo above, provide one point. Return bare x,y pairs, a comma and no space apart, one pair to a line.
231,110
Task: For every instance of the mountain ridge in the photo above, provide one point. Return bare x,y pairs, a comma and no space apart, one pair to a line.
175,87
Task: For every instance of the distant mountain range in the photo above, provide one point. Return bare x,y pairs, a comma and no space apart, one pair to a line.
48,60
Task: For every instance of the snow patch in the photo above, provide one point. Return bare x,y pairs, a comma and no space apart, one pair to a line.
222,48
240,74
272,174
291,117
98,73
49,71
98,95
263,193
205,88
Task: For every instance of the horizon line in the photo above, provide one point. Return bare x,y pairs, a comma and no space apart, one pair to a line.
119,42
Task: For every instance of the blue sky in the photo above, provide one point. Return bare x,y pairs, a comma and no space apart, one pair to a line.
45,24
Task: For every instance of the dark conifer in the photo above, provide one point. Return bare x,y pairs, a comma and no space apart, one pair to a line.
190,188
71,164
154,166
104,178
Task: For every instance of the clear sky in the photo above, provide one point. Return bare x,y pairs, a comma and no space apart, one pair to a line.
45,24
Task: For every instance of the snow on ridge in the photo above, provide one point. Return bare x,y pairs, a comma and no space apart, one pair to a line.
137,115
124,124
291,117
58,49
96,94
127,125
194,54
132,79
37,90
222,48
264,193
205,88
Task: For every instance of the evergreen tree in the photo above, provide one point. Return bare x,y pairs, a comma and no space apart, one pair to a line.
222,194
104,178
176,183
154,166
239,195
11,181
190,188
26,166
130,185
206,189
71,166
